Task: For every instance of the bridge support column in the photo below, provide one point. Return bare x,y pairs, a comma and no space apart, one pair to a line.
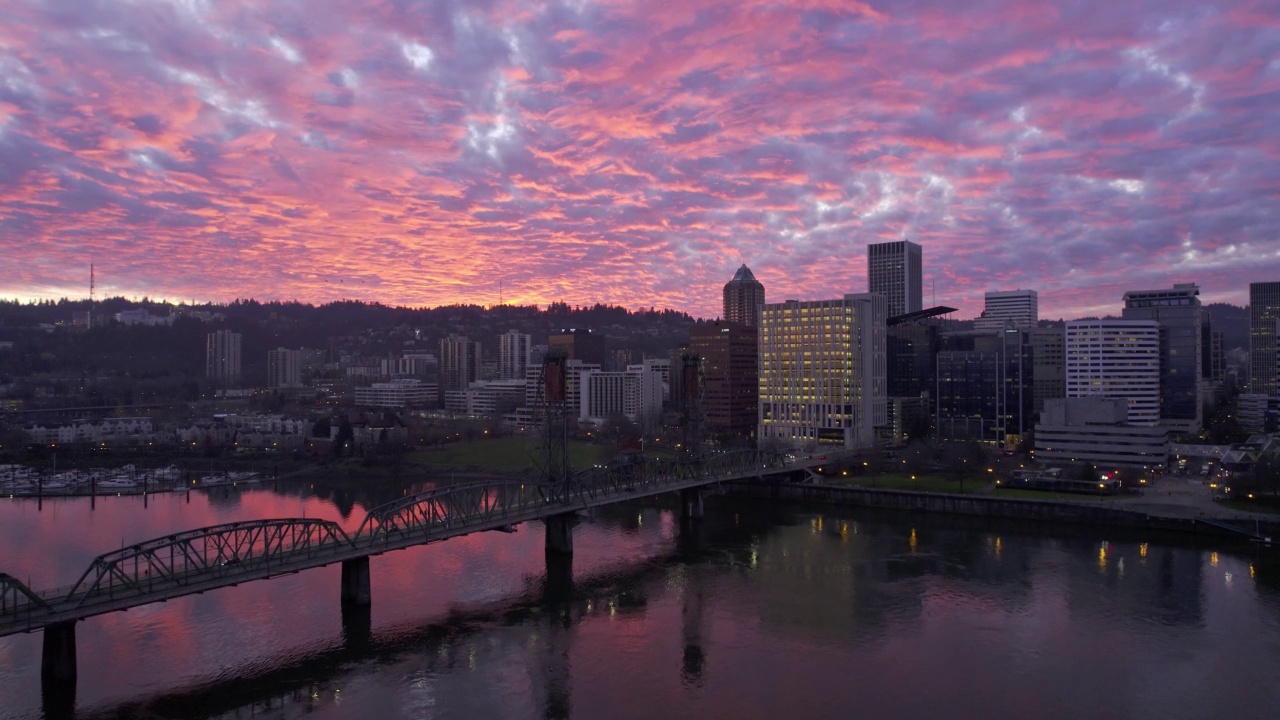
560,533
58,664
357,628
691,504
558,587
355,581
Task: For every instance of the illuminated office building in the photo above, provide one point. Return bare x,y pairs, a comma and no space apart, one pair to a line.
822,371
1116,359
1264,318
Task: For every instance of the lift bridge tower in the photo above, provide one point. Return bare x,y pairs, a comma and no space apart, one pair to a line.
553,403
691,395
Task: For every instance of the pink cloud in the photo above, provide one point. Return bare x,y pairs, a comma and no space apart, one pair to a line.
626,153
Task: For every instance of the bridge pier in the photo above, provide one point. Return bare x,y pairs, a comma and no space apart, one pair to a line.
357,628
560,533
58,663
355,581
558,587
691,507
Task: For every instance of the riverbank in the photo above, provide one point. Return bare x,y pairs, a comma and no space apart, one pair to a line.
1140,515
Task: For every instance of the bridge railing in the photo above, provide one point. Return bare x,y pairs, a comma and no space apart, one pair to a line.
456,507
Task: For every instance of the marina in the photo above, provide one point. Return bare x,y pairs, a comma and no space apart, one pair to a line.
23,481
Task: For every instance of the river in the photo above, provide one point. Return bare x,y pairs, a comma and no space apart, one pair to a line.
759,611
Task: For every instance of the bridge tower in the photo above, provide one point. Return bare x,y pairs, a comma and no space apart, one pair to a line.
553,387
691,430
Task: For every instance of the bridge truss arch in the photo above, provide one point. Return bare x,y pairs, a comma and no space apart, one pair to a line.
239,548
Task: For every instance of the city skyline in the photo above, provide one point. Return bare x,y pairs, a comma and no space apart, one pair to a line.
636,156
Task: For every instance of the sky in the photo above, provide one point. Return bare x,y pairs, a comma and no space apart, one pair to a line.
636,153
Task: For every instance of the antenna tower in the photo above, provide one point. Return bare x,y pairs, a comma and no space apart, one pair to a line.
91,288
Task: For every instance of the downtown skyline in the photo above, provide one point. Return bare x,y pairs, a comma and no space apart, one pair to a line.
636,154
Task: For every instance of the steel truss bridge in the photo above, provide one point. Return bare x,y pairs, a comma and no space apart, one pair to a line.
213,557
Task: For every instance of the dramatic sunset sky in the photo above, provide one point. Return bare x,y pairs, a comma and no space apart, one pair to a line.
635,153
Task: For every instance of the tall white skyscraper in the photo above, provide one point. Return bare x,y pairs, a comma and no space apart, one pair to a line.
822,371
513,355
1017,308
895,270
222,357
1117,359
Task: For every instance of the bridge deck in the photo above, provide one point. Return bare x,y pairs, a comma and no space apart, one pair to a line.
210,558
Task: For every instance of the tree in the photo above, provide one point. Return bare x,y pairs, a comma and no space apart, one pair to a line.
918,427
1087,472
965,459
345,435
875,464
619,425
1222,426
1266,472
321,428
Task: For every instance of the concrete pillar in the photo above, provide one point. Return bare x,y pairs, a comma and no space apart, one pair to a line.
357,628
558,587
560,533
58,665
355,581
691,504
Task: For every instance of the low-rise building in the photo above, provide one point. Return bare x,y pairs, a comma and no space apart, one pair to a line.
1096,430
398,393
113,431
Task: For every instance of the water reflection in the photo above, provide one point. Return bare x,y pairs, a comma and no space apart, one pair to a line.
759,610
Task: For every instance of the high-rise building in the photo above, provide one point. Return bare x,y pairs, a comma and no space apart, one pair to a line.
284,368
822,371
1181,321
985,388
222,357
1048,365
743,298
459,362
580,344
1019,309
912,358
1117,359
1213,362
730,376
513,355
1264,315
894,270
635,393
